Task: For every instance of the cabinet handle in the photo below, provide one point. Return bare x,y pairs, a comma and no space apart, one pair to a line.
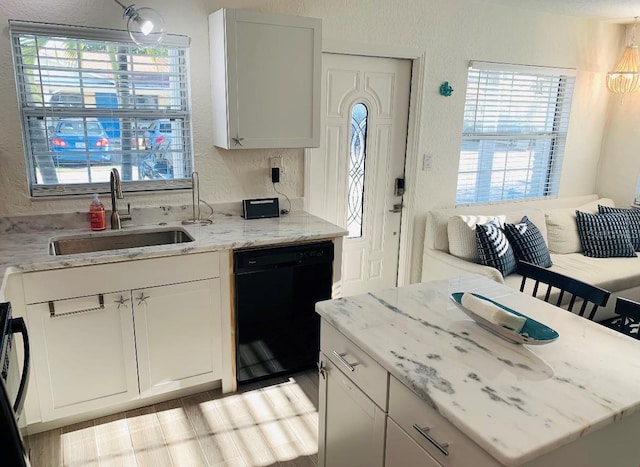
425,432
343,361
53,314
142,299
121,301
322,370
237,140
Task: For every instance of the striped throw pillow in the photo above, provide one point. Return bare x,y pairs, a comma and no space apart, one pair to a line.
494,249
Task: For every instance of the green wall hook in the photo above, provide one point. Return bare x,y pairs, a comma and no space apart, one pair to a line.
445,89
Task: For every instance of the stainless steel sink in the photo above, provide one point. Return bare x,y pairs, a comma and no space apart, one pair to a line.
70,245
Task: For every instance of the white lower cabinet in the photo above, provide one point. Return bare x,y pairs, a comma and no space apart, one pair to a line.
402,451
85,360
178,337
92,350
352,404
353,425
369,418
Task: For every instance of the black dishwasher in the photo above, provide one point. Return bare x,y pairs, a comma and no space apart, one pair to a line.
277,328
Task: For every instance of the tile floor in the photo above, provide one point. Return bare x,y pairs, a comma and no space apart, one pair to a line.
274,423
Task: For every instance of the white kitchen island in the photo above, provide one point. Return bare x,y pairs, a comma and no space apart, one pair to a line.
405,364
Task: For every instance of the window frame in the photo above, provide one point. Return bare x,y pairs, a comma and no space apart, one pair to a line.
176,45
499,120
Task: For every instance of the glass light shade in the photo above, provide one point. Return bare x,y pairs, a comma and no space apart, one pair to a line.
626,75
145,26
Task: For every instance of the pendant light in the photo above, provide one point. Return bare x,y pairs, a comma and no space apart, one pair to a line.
145,25
626,75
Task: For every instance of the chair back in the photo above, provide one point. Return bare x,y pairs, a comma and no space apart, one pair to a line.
564,289
629,319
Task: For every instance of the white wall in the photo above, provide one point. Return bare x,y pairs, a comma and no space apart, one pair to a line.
620,162
451,32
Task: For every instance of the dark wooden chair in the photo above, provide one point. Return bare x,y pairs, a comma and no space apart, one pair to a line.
628,320
563,291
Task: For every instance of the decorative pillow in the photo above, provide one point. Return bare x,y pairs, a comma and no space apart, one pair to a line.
461,231
605,235
562,231
494,249
634,222
527,243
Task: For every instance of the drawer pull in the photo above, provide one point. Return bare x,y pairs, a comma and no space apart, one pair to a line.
52,308
343,361
425,432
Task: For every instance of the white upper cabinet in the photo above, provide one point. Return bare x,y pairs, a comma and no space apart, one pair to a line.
265,74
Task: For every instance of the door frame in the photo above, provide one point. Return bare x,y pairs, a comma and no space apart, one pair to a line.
418,66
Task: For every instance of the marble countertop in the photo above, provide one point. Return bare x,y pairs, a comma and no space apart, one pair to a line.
24,245
517,402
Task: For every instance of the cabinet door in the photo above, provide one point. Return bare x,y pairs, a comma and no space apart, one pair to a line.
351,425
84,356
402,451
178,338
267,69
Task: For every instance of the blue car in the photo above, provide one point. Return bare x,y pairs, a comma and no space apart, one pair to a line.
75,138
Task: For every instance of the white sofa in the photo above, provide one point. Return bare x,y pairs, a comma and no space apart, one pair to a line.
448,246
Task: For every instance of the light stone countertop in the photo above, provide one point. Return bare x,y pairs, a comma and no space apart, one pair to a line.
24,241
517,402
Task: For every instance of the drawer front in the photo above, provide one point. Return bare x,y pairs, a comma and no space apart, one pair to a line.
402,451
366,373
448,445
57,284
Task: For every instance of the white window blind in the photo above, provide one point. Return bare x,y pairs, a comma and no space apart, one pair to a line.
92,100
514,132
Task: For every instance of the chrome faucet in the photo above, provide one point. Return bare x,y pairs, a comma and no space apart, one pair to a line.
115,185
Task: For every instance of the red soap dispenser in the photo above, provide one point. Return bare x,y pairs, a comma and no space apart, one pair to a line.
97,214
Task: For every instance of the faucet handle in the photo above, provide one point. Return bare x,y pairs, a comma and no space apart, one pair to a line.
127,216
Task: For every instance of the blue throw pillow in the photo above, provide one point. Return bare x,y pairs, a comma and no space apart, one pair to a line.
494,249
605,235
527,243
634,221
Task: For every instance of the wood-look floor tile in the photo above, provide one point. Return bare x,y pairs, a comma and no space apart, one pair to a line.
46,448
246,408
253,448
269,424
291,452
305,426
114,442
179,435
79,447
235,462
210,430
147,438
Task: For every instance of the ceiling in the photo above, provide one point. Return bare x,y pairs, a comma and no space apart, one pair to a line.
615,11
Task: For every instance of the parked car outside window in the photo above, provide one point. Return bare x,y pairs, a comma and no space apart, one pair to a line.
75,138
158,134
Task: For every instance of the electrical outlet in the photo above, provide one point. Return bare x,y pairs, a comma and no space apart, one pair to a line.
276,163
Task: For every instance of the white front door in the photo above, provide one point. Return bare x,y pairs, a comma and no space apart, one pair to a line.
351,177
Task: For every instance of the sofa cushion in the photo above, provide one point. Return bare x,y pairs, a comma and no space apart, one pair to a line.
634,222
527,243
605,235
494,249
562,229
461,231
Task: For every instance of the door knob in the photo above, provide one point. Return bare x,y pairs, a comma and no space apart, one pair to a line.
396,208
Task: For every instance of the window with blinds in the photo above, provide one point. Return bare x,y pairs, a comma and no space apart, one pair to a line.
92,100
514,132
